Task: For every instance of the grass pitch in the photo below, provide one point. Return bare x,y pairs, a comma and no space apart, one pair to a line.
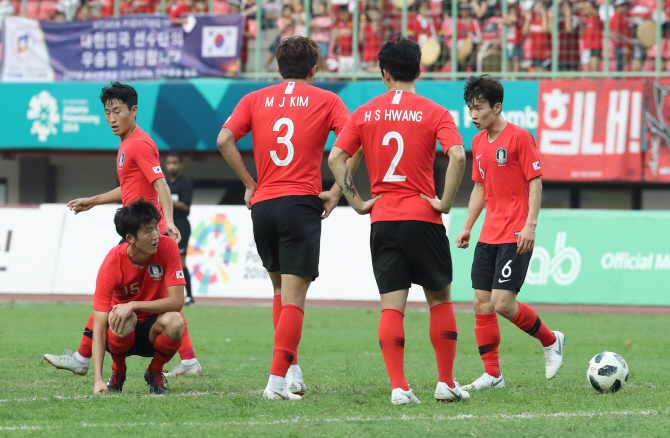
348,389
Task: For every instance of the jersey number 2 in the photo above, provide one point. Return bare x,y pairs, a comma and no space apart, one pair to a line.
390,176
285,140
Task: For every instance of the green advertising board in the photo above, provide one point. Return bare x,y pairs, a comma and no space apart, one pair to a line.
585,257
187,114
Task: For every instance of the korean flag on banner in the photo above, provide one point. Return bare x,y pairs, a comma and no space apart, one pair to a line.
219,41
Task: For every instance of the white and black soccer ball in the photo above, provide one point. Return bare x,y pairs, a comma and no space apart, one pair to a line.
607,372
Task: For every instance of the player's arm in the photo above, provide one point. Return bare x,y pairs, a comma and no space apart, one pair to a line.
165,198
83,204
100,326
475,207
452,180
226,144
332,197
337,160
526,240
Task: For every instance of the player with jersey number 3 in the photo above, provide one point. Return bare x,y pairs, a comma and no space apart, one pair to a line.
290,123
507,175
399,131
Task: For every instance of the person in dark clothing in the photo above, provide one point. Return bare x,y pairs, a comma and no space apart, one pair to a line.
182,193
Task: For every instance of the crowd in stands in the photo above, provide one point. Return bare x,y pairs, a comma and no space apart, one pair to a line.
479,29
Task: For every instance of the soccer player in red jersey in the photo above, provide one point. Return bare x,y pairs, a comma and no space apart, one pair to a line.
140,177
399,131
289,123
508,182
139,293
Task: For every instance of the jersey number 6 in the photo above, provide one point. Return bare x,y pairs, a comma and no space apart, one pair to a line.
285,140
390,177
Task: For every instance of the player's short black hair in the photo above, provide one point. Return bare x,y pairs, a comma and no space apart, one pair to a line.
129,219
296,56
176,154
483,89
121,92
401,58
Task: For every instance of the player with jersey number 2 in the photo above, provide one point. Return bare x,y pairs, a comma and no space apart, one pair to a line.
290,123
508,182
399,131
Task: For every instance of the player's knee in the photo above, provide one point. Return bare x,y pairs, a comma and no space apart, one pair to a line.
482,306
504,308
174,326
126,328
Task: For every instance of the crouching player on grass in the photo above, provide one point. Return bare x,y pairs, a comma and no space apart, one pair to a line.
138,297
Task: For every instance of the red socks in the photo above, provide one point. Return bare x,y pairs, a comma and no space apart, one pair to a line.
86,346
443,335
164,348
487,333
287,338
392,343
528,321
119,348
276,313
186,350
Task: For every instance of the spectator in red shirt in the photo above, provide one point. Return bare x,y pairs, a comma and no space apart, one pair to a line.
537,26
422,28
513,20
320,26
372,35
343,36
621,34
466,27
592,35
568,37
178,13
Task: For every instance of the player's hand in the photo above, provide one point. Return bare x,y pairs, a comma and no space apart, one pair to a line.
463,239
365,207
436,204
248,193
80,204
173,232
100,387
328,203
119,314
526,241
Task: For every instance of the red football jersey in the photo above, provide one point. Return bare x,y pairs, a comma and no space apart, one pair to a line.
399,131
120,281
540,41
138,166
289,124
504,167
593,33
619,25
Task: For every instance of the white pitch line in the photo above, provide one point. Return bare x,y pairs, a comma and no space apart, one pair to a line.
578,414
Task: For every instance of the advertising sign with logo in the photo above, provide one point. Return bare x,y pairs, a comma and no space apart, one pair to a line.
121,49
586,257
591,130
657,128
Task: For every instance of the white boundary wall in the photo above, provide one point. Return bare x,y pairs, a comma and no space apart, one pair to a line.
52,251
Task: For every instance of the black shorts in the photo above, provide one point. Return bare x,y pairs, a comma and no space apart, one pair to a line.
406,252
499,267
143,346
184,228
287,232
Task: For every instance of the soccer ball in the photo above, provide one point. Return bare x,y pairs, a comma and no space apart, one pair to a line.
607,372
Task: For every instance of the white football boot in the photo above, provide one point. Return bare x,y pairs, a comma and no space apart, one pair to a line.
294,381
185,370
447,395
277,390
67,361
553,356
486,381
401,397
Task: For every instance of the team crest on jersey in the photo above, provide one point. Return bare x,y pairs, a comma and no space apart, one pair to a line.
122,158
501,156
155,271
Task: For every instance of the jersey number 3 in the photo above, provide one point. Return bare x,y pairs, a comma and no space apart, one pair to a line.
285,140
390,174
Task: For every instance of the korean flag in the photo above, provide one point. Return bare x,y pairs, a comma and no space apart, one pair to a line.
219,41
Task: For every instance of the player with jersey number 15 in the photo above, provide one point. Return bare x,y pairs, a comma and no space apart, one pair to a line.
289,123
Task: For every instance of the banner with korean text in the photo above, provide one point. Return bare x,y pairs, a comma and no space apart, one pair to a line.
121,49
591,130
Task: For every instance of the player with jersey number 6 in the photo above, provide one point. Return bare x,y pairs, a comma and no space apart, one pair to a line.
290,123
508,182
